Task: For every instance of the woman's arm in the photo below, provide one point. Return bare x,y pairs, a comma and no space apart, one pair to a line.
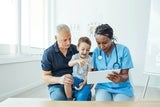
119,77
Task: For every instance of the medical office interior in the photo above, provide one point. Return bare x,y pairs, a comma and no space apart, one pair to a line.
28,27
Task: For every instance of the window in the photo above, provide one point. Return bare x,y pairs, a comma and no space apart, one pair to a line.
23,26
8,26
33,26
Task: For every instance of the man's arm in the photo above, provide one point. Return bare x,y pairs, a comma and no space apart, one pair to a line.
48,78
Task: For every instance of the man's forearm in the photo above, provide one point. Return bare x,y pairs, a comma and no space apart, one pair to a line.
51,80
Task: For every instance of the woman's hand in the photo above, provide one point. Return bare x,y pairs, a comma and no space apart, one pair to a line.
115,77
118,77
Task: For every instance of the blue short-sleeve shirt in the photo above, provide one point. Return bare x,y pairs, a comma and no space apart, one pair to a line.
53,60
107,62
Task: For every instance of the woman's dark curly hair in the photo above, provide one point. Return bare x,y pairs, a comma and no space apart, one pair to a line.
104,29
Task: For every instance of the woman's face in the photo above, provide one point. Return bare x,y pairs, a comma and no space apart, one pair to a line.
104,43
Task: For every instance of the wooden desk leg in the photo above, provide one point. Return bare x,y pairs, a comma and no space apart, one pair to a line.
146,86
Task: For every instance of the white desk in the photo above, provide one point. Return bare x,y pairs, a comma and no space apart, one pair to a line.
33,102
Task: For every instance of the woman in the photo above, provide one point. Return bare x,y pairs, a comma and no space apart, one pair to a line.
111,56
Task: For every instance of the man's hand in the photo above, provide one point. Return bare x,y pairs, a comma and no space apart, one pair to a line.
66,79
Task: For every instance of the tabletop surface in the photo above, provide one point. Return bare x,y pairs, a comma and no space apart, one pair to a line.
38,102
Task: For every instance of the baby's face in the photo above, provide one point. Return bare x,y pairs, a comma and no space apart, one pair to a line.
83,49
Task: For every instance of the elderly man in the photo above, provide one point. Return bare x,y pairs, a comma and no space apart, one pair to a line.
54,63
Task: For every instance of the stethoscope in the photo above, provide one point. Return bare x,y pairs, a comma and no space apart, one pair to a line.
116,65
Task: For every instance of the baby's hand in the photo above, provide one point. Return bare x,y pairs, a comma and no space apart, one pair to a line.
82,62
80,86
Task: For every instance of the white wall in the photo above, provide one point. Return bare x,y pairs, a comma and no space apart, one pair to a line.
18,77
129,19
153,45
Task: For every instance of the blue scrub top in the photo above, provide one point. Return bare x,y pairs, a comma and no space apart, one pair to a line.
53,60
106,63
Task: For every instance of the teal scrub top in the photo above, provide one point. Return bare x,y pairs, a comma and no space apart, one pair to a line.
107,62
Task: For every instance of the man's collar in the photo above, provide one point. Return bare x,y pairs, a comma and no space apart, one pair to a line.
57,48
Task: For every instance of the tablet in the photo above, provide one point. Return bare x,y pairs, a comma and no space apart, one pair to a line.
99,76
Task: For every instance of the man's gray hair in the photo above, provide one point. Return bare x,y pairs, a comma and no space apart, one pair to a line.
62,27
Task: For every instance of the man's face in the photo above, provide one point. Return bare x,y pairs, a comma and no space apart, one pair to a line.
64,39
